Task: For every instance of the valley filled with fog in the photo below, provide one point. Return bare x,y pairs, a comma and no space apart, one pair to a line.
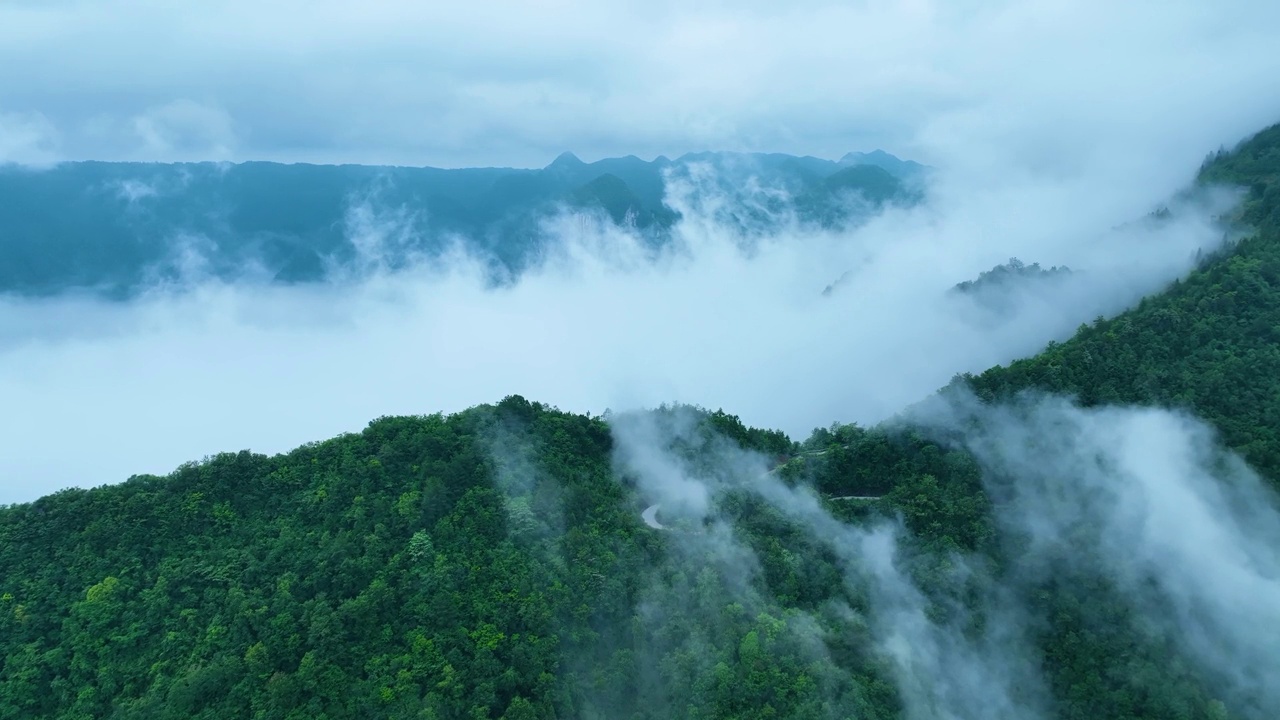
726,309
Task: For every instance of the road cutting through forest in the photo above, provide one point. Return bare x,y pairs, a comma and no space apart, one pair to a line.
650,514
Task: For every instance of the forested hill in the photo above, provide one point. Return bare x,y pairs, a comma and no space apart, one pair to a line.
487,564
1209,344
494,564
112,227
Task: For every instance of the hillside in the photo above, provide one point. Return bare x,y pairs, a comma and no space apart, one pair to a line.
1207,345
494,563
487,564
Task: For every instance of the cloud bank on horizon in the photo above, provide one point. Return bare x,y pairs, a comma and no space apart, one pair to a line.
501,83
1043,149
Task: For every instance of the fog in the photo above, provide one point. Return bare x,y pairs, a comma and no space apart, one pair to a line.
721,317
1187,531
1043,151
489,82
941,668
1145,499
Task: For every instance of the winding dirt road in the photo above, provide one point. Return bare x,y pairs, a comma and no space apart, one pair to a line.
650,514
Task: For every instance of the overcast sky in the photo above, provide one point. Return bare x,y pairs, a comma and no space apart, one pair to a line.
516,83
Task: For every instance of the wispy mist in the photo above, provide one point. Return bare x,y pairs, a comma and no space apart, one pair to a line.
1147,497
727,314
999,81
1143,499
1050,125
942,664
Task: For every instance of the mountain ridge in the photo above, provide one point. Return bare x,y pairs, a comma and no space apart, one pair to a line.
114,226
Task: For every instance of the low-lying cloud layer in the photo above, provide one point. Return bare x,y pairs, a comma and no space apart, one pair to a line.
1051,124
98,391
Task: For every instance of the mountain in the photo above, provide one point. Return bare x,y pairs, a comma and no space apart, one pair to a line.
868,187
999,290
117,227
904,169
623,205
496,563
1206,346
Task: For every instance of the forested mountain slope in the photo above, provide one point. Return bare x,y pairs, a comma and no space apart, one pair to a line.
493,564
488,564
1208,345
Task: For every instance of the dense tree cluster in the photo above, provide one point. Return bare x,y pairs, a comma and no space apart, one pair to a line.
486,564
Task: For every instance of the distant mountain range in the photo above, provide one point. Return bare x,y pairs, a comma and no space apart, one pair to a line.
113,227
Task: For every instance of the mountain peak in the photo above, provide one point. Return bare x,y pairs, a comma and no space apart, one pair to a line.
888,161
871,157
566,159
